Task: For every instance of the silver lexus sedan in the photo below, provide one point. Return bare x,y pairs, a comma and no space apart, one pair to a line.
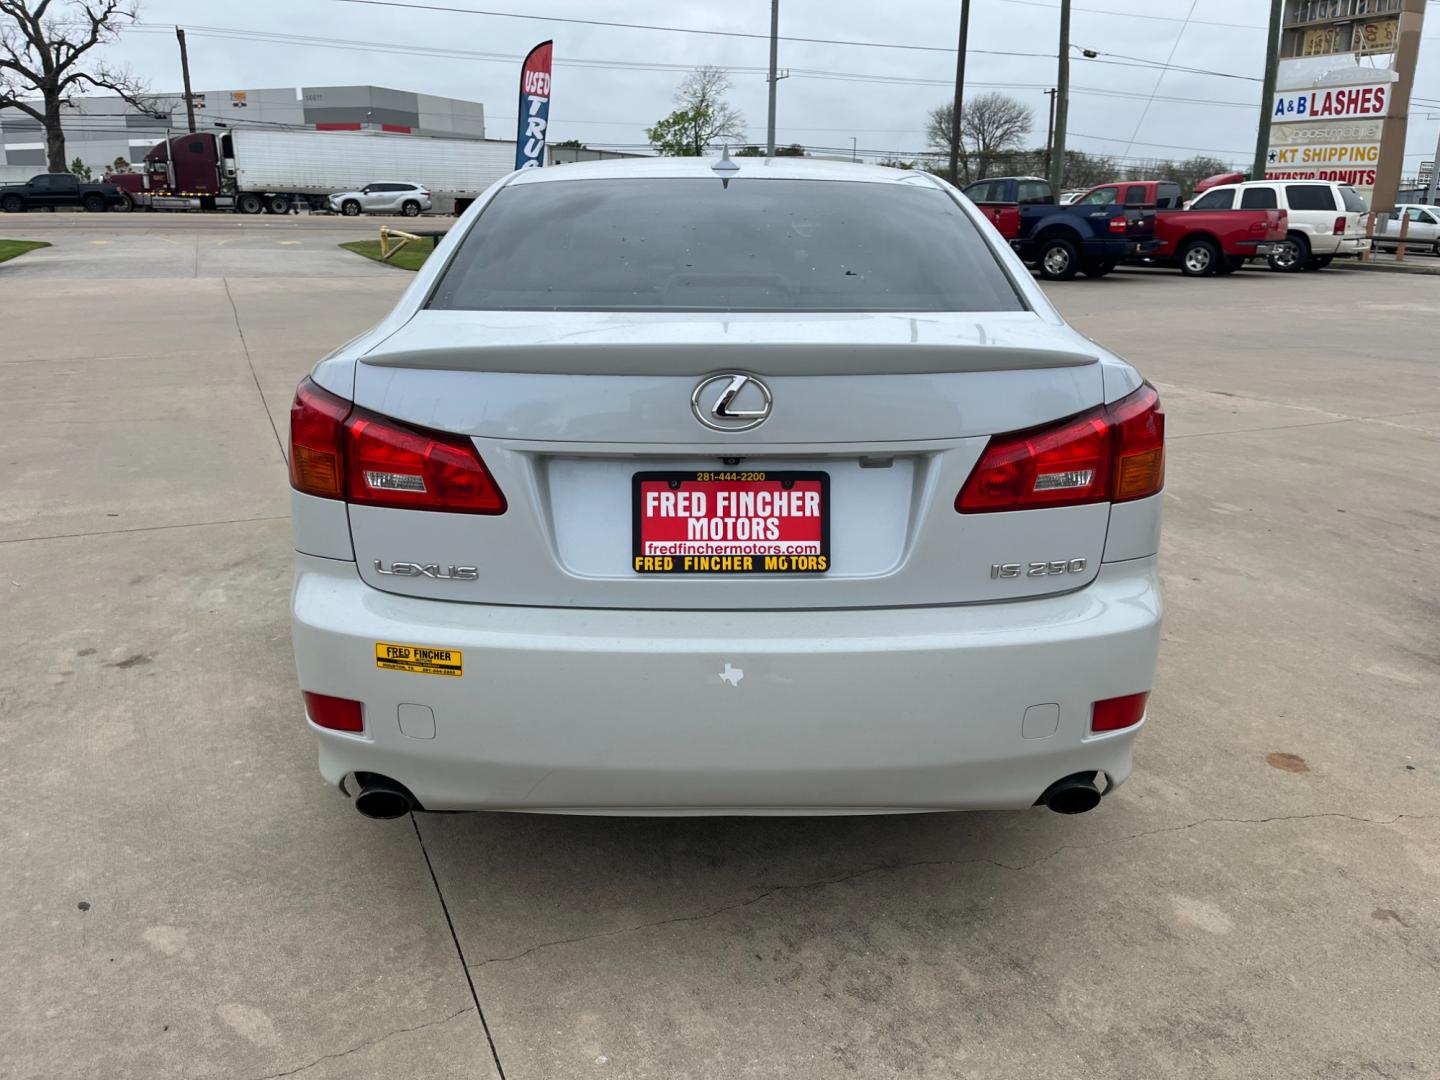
724,487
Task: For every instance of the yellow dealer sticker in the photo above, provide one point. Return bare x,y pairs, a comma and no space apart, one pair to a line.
420,659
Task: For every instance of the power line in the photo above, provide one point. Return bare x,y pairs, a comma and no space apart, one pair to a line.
627,65
1137,15
447,9
1161,77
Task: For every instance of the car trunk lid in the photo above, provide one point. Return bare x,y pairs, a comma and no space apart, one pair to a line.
566,410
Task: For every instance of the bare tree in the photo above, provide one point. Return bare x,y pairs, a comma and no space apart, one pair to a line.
991,126
1084,170
703,117
44,54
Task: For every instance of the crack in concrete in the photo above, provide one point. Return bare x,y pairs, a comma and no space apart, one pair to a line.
250,362
773,890
364,1045
141,529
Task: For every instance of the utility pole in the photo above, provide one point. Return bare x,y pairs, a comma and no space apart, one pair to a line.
1267,93
185,71
774,74
1062,102
1395,126
1049,130
1434,174
957,109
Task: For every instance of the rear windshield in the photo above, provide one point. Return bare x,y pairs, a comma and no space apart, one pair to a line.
699,245
1354,204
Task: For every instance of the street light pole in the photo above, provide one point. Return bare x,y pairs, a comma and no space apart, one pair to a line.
774,75
1062,102
1267,93
957,108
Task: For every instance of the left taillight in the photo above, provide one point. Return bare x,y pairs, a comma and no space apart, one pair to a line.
317,441
1115,453
338,451
390,464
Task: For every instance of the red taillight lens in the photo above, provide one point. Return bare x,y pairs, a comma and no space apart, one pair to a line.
341,452
1137,426
1118,712
389,464
1339,226
1118,224
316,441
335,713
1115,453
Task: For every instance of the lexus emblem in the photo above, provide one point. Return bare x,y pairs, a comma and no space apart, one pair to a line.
731,402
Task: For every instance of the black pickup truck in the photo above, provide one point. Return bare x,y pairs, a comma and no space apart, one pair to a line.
60,189
1060,241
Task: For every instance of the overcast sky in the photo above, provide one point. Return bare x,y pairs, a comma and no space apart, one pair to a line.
612,102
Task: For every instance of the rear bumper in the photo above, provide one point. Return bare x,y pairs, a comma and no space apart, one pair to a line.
730,712
1249,248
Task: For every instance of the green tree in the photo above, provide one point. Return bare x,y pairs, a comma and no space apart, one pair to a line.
702,118
81,171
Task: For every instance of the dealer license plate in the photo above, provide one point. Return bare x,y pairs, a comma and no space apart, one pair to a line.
728,523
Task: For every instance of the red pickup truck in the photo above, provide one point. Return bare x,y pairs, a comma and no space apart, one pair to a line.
1199,242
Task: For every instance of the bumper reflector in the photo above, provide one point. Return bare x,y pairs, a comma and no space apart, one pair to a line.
1116,713
335,713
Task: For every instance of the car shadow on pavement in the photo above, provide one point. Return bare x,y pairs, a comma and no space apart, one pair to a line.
516,882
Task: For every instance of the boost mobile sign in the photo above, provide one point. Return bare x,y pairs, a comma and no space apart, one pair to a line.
1331,103
534,112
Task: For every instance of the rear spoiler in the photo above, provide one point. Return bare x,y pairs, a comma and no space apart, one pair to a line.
686,358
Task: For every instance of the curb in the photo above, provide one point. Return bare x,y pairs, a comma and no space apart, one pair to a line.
1389,268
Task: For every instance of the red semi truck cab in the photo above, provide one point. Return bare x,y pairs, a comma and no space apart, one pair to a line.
181,169
1199,242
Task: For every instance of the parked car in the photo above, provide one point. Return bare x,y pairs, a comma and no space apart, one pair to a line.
1324,220
1200,242
1068,197
1061,241
383,198
50,190
788,494
1422,232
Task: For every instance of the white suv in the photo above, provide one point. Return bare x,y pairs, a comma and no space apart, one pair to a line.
383,198
776,487
1326,219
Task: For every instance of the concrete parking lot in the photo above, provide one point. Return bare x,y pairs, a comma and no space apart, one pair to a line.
181,895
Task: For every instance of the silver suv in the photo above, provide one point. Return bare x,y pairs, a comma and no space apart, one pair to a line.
674,487
410,200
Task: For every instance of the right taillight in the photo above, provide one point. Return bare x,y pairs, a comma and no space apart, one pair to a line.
338,451
1115,453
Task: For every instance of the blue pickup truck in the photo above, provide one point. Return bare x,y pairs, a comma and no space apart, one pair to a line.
1061,241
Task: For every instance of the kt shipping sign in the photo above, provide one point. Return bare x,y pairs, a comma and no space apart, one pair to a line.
534,110
1331,103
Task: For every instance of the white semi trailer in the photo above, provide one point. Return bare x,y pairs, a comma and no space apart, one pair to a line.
256,171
